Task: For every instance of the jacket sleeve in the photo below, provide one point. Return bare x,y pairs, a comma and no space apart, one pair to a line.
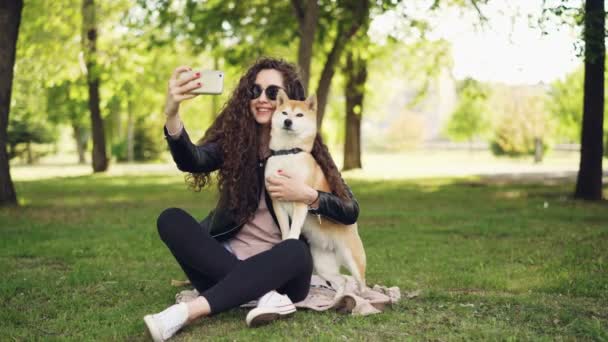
193,158
337,209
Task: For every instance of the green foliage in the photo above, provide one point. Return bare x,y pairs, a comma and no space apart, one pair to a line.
517,270
512,138
119,150
44,48
566,105
238,31
49,79
523,118
67,102
141,42
46,84
470,118
147,144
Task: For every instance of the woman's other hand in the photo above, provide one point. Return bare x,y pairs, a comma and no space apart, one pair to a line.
285,188
178,90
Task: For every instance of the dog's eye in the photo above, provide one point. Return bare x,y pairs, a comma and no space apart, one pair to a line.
299,115
284,113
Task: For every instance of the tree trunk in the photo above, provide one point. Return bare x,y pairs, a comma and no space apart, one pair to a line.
328,73
538,150
308,17
356,76
10,18
81,142
345,32
130,134
589,181
29,156
89,39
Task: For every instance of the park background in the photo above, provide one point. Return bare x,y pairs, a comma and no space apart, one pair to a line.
458,124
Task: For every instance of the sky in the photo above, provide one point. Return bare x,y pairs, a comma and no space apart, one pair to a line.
505,50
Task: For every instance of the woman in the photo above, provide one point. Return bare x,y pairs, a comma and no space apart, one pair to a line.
236,254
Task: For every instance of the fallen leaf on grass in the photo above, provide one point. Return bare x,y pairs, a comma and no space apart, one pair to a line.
413,294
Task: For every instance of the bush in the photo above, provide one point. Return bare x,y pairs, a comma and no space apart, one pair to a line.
119,150
515,137
523,120
24,133
147,143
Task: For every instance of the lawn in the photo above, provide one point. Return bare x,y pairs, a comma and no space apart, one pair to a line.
81,260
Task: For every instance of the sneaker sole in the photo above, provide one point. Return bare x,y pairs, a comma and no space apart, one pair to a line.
152,330
257,317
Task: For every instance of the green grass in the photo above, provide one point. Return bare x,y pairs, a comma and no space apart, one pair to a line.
81,260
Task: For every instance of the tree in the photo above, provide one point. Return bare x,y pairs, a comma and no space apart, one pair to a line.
589,180
67,101
89,40
354,15
470,118
360,49
10,18
25,130
354,92
566,105
307,14
46,67
592,16
524,126
244,30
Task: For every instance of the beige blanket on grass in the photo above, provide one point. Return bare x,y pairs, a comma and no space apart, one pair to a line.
322,296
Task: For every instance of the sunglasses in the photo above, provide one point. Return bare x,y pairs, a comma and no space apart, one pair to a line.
271,91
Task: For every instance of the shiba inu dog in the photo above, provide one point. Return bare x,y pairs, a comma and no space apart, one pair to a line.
332,245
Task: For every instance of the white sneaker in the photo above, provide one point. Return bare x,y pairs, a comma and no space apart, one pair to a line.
165,324
270,306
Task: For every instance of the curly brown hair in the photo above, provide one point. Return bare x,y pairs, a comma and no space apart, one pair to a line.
238,134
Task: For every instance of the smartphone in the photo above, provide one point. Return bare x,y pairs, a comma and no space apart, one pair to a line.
212,81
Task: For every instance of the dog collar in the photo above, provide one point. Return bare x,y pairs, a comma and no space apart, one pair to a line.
284,152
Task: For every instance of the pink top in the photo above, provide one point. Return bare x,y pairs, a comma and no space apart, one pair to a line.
257,235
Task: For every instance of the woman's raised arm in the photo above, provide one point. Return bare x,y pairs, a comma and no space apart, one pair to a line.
187,156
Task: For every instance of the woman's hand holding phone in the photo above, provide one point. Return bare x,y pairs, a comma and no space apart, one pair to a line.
179,89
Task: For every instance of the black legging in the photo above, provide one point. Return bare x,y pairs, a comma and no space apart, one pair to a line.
224,280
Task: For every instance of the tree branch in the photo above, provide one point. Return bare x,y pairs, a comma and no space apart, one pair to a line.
482,17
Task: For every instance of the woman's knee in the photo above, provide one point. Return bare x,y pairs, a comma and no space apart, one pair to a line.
166,222
299,253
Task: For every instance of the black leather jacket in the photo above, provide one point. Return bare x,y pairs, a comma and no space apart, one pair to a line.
208,157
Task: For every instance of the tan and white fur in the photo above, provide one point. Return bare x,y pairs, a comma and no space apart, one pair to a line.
332,244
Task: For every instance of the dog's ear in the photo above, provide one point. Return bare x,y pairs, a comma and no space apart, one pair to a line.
281,97
311,103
